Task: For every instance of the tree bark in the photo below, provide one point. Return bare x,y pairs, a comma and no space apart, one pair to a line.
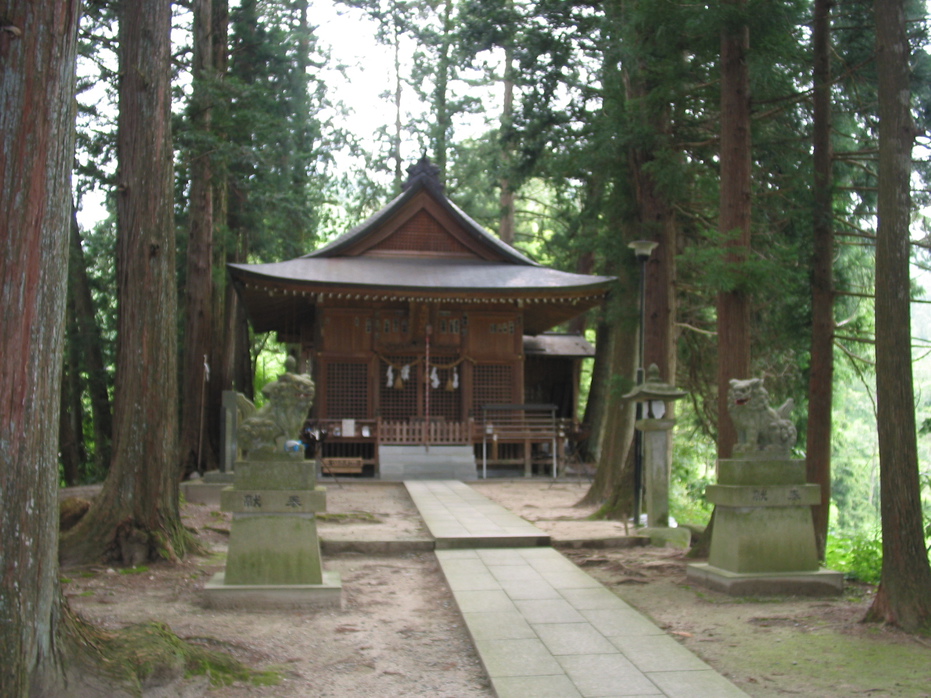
71,451
613,483
597,406
821,378
902,598
196,447
38,43
135,518
733,321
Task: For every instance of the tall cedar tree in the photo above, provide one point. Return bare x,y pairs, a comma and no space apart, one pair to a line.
903,597
136,516
733,322
87,342
38,43
613,483
821,377
198,452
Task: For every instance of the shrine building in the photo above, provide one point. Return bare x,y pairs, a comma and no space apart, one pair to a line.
428,341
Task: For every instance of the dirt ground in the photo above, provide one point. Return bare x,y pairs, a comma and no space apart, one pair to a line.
399,634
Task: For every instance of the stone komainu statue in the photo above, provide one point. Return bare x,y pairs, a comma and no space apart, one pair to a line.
761,430
280,419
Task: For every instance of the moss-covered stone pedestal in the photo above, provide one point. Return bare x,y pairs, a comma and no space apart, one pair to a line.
763,541
274,551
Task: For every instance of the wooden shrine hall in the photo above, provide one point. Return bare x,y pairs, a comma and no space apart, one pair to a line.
427,339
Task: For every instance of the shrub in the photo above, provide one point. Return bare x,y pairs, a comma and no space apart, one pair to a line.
858,556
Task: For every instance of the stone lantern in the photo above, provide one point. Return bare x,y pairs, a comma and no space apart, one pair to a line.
655,427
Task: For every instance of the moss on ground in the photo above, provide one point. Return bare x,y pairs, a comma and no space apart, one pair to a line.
150,654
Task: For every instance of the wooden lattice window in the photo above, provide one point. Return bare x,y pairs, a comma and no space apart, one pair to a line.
398,397
347,390
492,384
403,399
447,403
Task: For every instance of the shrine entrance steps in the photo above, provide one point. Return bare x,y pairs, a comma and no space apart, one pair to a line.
543,627
419,462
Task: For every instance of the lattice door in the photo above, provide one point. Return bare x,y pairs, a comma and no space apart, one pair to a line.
397,396
347,390
492,384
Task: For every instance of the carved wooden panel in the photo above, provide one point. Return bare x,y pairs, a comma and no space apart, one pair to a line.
495,335
347,331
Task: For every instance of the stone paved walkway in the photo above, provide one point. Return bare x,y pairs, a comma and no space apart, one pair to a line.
543,628
460,517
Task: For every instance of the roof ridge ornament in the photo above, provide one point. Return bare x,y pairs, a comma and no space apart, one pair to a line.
426,170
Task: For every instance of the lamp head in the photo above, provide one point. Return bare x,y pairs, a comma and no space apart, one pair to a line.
643,249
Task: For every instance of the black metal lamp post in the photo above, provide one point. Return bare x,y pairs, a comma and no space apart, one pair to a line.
642,251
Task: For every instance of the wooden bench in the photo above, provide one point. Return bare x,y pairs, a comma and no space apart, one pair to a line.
341,466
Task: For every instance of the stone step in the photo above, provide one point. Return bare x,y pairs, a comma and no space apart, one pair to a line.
422,463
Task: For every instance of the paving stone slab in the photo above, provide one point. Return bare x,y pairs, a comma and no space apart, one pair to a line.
544,628
457,517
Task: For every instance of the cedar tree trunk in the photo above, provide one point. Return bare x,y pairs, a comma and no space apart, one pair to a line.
135,518
613,484
904,594
90,344
38,42
196,449
733,322
820,382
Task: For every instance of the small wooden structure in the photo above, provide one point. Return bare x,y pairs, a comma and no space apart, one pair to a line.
415,321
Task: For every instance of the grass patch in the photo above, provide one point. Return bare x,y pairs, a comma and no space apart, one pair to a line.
218,558
149,653
141,569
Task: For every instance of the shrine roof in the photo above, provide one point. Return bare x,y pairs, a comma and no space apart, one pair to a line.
347,241
417,274
554,344
421,246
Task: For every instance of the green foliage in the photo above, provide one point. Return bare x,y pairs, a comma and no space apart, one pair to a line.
858,556
267,136
855,450
270,356
694,456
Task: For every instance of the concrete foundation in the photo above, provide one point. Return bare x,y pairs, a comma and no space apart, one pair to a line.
397,463
821,582
267,597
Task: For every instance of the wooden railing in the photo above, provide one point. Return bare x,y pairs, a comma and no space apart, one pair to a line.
506,435
521,424
419,431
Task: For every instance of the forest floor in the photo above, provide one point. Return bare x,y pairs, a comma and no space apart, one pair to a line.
398,632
